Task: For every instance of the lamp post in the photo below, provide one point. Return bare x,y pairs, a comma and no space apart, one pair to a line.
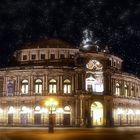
51,103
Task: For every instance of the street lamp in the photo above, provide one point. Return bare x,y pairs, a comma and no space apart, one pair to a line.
51,103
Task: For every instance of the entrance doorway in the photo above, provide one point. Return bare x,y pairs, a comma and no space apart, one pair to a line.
10,119
96,114
66,120
24,118
37,119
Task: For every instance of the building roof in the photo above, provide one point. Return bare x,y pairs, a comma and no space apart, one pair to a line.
48,43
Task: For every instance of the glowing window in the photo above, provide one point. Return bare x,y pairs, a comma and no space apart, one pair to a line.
117,90
90,83
37,108
67,108
94,85
67,86
24,108
1,111
38,86
52,86
24,87
60,110
126,90
11,110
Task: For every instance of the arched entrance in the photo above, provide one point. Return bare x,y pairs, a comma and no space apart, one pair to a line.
96,114
59,116
37,115
11,111
24,115
67,116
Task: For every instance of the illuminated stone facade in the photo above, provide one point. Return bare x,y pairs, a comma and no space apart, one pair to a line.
88,84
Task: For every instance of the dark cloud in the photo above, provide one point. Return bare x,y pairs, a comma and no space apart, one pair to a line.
114,22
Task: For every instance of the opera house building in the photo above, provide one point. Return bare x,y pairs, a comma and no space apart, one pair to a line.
79,86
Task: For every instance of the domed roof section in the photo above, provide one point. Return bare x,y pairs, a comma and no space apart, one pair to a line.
48,43
90,47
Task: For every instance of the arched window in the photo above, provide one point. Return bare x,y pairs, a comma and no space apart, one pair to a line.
10,88
11,110
37,109
67,86
52,86
94,85
126,90
25,87
24,109
38,86
67,108
117,90
89,83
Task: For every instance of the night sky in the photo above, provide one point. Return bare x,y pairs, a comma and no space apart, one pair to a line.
115,23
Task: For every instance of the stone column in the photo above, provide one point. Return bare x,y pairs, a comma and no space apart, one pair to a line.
43,85
31,84
83,82
60,84
15,86
111,88
135,91
2,85
106,83
76,82
77,112
129,89
123,87
46,85
5,85
81,111
108,112
18,90
73,84
87,114
80,80
57,85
